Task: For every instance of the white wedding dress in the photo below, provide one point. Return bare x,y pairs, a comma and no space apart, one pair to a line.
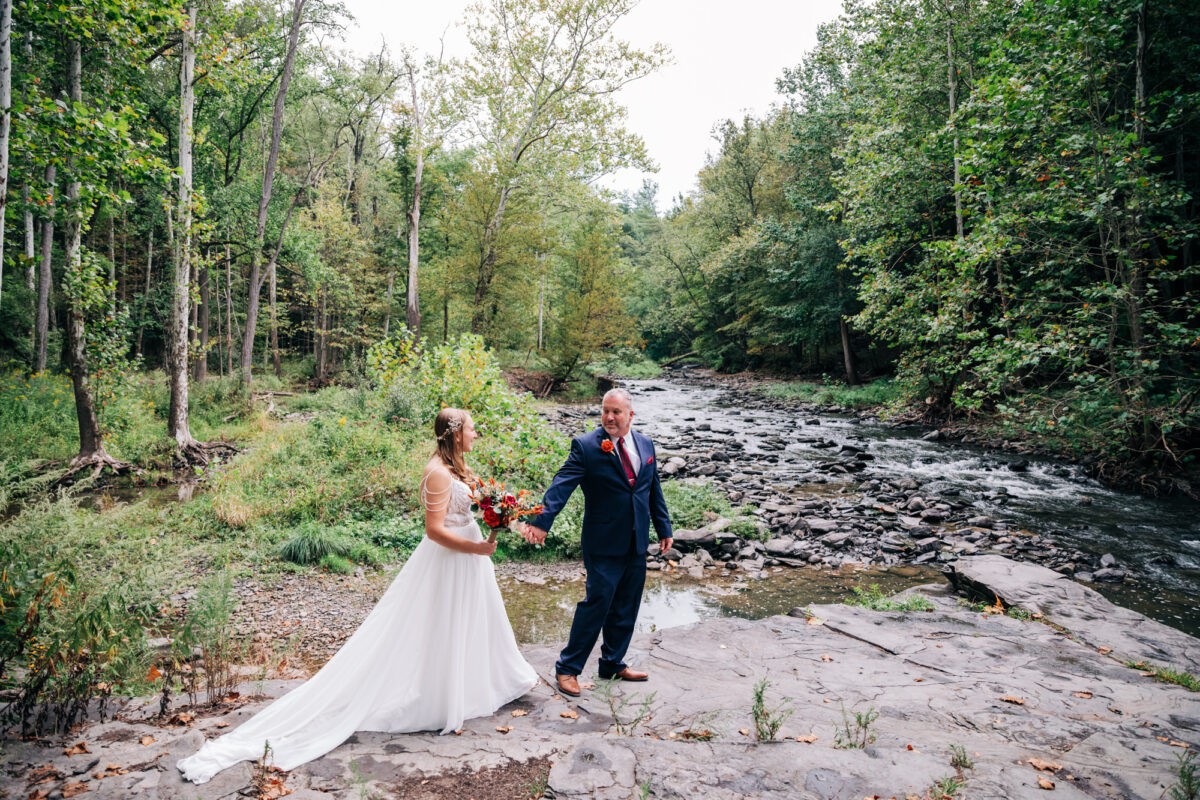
436,650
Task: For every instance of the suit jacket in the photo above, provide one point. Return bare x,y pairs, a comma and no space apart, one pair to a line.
613,511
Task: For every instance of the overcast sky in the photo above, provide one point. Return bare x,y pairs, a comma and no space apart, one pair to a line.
726,58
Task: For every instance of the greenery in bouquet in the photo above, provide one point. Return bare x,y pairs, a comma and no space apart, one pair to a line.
500,506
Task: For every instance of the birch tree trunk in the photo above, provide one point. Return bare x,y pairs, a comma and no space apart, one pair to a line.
177,359
255,284
149,267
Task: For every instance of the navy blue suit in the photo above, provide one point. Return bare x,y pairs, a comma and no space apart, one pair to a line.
616,535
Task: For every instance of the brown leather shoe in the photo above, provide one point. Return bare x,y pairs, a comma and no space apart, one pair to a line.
568,684
628,674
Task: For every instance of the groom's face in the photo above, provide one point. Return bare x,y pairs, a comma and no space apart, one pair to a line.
616,416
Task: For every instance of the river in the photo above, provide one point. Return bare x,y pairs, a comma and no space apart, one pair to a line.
1157,540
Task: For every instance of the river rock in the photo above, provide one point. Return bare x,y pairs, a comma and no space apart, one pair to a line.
780,546
1108,560
1083,611
818,525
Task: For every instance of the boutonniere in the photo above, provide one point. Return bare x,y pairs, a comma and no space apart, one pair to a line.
650,460
607,445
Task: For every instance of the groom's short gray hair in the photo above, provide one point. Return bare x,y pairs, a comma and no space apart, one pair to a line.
621,393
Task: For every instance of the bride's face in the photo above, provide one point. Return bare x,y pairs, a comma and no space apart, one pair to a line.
467,436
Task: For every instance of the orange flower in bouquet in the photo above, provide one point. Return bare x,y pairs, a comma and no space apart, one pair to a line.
501,507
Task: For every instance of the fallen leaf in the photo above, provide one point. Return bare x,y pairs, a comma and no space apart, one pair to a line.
458,732
1102,651
812,737
38,794
72,789
827,658
1146,674
572,714
520,712
1008,698
76,749
918,680
1174,743
42,774
148,740
222,724
153,674
815,621
910,747
503,728
1048,766
182,718
1084,695
1045,782
744,731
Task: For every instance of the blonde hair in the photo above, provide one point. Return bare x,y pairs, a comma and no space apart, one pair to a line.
446,429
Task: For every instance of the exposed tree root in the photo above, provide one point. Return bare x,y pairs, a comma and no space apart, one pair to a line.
200,454
97,462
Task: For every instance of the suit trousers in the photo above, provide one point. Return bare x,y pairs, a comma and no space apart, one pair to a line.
614,595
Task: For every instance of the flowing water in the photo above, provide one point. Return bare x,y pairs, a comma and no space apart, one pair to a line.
1157,539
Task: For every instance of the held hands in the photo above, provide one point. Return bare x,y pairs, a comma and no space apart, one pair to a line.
485,548
532,534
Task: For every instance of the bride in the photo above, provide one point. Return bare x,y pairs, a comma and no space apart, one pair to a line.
436,650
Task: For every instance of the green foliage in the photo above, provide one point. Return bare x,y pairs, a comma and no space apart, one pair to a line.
207,627
336,564
625,718
688,502
311,544
855,734
881,392
1187,787
874,599
767,721
959,758
946,788
1167,674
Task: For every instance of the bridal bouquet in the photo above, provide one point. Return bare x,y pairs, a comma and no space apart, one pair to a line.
501,507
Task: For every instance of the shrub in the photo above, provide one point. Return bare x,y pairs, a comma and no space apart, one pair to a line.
688,502
208,627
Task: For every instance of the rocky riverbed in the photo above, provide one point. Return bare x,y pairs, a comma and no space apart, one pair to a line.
1006,707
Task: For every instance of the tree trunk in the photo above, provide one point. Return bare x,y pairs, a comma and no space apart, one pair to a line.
42,324
322,344
177,360
848,353
487,263
146,296
200,367
229,338
953,74
255,284
413,308
112,263
5,117
30,250
91,445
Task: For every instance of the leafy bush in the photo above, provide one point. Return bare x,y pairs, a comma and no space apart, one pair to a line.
208,627
688,502
877,393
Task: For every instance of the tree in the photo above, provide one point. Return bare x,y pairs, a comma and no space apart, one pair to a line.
541,85
255,280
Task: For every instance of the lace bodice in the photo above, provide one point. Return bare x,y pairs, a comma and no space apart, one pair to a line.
455,501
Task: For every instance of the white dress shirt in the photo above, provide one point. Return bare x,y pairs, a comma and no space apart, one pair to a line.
630,450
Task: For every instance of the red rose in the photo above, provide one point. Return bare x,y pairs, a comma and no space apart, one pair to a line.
485,502
607,445
491,518
509,500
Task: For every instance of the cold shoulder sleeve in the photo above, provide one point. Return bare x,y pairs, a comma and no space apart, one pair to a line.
435,491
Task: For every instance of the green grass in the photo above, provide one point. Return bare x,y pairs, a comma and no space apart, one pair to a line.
871,395
1168,675
874,599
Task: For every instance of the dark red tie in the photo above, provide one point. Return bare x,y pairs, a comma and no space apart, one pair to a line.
625,462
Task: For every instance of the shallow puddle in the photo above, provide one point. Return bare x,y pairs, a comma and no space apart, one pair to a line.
541,613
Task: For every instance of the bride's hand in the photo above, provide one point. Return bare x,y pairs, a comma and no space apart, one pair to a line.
485,548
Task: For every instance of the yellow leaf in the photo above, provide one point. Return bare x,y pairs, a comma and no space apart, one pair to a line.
1045,782
1008,698
809,739
572,714
503,728
519,712
1048,766
1084,695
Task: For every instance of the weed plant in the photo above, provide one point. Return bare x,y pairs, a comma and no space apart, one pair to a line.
1168,675
688,501
627,720
855,734
768,721
1187,787
874,599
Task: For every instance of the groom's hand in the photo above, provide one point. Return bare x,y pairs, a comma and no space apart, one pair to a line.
665,544
534,534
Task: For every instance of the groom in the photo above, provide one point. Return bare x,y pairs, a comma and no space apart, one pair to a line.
622,496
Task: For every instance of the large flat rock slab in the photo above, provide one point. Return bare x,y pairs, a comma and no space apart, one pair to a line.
1084,612
1015,695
